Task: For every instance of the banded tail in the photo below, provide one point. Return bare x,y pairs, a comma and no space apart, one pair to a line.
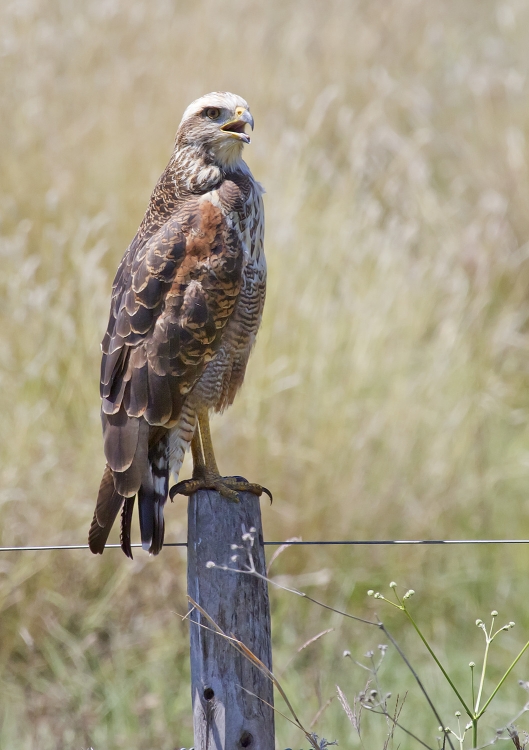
148,477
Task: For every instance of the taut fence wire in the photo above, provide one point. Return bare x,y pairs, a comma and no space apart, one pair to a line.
322,542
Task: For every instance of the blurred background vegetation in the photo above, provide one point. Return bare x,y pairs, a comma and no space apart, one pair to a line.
387,397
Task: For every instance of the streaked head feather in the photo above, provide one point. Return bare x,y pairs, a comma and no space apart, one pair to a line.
198,130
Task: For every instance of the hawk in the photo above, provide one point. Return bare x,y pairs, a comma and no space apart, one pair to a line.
186,305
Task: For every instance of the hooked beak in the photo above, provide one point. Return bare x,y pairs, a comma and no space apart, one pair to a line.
236,127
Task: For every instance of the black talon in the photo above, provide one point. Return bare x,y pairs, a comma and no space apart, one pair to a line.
182,488
267,492
177,488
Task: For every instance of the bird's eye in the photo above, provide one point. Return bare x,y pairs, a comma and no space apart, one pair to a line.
213,113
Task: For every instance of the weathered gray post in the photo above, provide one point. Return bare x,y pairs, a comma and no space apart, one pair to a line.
226,716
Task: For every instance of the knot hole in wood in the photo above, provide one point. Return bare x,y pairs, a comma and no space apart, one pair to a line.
246,739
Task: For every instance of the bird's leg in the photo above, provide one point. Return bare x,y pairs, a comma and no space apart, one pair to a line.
199,465
206,474
207,443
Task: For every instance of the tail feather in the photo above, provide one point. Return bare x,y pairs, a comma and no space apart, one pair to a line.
126,519
152,524
146,474
108,506
152,496
146,511
159,527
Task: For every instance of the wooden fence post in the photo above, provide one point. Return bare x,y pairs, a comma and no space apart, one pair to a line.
226,717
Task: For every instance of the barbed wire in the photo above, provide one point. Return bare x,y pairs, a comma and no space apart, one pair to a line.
322,542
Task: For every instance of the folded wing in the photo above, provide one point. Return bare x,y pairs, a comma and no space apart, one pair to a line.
172,297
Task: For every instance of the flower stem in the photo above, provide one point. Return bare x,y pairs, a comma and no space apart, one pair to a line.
443,670
500,683
482,680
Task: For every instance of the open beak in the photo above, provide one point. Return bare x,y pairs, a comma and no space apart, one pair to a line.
237,126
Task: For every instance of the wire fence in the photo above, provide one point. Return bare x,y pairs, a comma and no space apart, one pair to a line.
286,542
323,542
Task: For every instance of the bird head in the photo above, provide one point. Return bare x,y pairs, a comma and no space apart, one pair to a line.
217,123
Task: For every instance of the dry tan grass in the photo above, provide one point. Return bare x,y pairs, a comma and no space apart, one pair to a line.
388,393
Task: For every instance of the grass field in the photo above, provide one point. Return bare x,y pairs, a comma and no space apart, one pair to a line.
388,394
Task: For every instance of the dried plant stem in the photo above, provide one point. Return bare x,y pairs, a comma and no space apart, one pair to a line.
387,715
379,624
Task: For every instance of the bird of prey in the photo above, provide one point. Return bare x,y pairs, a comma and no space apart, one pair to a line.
186,305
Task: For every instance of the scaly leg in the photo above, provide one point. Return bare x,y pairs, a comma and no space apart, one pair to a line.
206,474
199,465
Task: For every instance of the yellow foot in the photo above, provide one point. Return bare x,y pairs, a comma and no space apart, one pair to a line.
228,487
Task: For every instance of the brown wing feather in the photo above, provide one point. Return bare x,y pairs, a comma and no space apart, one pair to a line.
173,294
171,300
126,520
108,505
